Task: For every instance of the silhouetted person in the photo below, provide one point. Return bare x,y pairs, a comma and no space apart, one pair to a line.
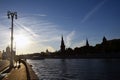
19,61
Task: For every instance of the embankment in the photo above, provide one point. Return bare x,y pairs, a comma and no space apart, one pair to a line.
30,73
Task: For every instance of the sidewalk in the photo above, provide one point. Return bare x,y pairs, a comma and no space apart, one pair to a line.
17,73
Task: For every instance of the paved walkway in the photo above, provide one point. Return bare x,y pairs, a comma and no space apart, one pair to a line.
17,74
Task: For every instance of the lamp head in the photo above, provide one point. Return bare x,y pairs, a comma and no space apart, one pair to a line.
8,14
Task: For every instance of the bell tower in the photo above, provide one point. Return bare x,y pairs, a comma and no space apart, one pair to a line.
87,43
62,46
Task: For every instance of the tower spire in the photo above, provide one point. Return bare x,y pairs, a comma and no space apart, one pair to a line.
62,47
87,43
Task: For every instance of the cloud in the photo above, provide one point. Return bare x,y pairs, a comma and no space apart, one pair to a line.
33,15
43,33
69,38
50,48
79,44
4,36
23,27
93,11
40,15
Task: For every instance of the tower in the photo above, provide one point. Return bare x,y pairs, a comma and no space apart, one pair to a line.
87,43
104,40
62,47
8,52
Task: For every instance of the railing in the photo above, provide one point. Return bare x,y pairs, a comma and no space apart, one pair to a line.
30,73
27,70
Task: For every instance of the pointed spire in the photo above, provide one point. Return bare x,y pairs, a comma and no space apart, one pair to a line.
87,43
104,40
62,47
62,42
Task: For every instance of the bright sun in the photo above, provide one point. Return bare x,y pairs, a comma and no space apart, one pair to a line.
21,41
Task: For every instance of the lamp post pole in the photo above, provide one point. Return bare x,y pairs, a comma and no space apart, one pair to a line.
12,15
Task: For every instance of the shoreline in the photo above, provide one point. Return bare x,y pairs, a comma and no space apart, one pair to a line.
74,58
31,75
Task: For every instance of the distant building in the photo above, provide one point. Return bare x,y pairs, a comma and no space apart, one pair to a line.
8,52
47,51
7,55
104,40
87,43
4,55
62,46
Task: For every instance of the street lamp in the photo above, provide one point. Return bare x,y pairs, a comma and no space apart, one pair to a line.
11,15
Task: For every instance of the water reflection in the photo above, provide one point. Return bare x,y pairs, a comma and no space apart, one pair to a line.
77,69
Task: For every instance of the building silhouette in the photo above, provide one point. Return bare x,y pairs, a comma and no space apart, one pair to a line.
8,52
4,55
62,46
104,40
87,43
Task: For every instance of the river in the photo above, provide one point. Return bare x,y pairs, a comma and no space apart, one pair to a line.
77,69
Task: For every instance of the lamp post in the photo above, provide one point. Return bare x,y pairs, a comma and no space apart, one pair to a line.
12,15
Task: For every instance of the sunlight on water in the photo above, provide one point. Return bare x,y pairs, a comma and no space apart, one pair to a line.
77,69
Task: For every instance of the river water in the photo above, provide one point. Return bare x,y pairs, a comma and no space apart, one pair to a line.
77,69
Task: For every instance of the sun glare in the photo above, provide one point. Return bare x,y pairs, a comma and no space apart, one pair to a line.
22,41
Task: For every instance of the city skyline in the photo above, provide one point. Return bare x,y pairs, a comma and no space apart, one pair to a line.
42,23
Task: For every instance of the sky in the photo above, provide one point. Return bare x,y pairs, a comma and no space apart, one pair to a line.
41,23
